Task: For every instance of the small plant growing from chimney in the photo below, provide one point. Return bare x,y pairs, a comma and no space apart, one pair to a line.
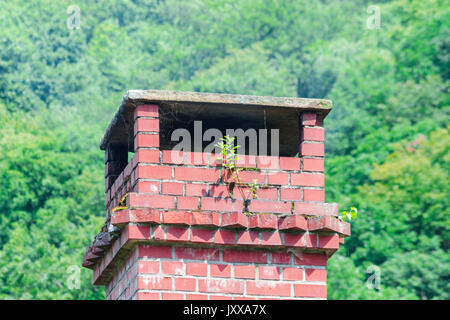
348,216
229,157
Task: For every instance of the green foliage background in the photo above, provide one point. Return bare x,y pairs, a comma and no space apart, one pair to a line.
387,136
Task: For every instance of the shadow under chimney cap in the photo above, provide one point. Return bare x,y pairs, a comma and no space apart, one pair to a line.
118,131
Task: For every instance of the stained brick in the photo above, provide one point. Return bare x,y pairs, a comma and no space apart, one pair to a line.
310,291
174,188
146,251
289,163
313,195
244,256
143,140
196,174
313,164
316,275
245,271
148,110
220,270
307,179
221,286
268,288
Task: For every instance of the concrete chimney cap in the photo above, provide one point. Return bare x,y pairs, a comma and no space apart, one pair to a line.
118,130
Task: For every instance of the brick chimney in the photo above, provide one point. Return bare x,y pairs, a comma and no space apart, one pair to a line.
176,225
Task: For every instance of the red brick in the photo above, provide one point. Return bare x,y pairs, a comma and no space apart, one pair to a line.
197,253
234,220
196,174
316,209
138,232
241,193
146,140
172,267
316,275
329,241
308,179
268,288
293,274
155,283
148,266
294,239
197,269
203,218
311,259
267,162
313,195
196,297
328,223
311,240
309,119
158,233
280,178
176,217
271,238
293,222
221,204
289,163
148,110
281,258
177,234
313,164
150,201
120,217
221,286
312,149
155,251
248,161
187,203
291,194
147,156
220,270
154,172
215,160
185,284
201,235
269,206
211,297
248,238
195,189
147,187
244,256
310,291
174,188
172,157
196,158
313,134
245,271
146,125
269,272
220,191
267,193
172,296
224,237
263,221
250,176
148,296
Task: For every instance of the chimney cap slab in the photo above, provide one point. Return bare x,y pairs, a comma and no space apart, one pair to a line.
118,130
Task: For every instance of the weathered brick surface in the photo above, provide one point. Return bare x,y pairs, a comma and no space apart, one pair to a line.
159,272
185,234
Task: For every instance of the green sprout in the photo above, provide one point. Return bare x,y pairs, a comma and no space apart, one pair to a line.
348,216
